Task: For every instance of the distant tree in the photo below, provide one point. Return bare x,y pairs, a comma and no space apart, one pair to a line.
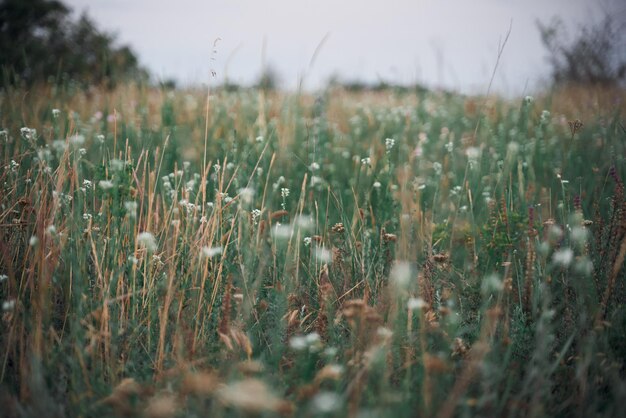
596,56
39,41
268,80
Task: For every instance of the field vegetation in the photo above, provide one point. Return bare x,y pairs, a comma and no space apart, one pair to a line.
254,253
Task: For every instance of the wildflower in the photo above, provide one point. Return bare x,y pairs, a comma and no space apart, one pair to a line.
87,216
401,273
449,146
280,181
563,257
304,222
246,194
131,208
8,305
311,341
314,166
51,230
3,277
366,161
77,140
100,138
416,303
437,167
33,241
528,100
323,255
389,143
584,266
282,232
105,184
376,185
82,151
14,165
326,402
210,252
492,283
284,192
147,241
255,216
56,113
134,260
307,241
30,134
384,332
315,180
473,153
259,138
186,165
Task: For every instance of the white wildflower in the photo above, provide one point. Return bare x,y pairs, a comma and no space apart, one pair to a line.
326,402
105,184
473,153
366,161
323,255
33,241
282,232
307,241
8,305
246,194
563,257
210,252
401,273
256,213
314,166
77,140
148,241
491,283
416,303
56,113
389,143
437,167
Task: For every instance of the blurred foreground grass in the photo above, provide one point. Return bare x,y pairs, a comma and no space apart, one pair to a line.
373,254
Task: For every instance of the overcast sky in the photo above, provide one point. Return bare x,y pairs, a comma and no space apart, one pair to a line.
440,43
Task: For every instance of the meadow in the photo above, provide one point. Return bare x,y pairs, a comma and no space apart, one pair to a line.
170,253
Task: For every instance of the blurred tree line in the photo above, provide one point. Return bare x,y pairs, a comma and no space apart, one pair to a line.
40,42
597,55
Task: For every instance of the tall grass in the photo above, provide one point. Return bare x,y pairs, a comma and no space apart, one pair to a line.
367,254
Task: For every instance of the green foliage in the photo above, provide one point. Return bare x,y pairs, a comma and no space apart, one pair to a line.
40,42
337,255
